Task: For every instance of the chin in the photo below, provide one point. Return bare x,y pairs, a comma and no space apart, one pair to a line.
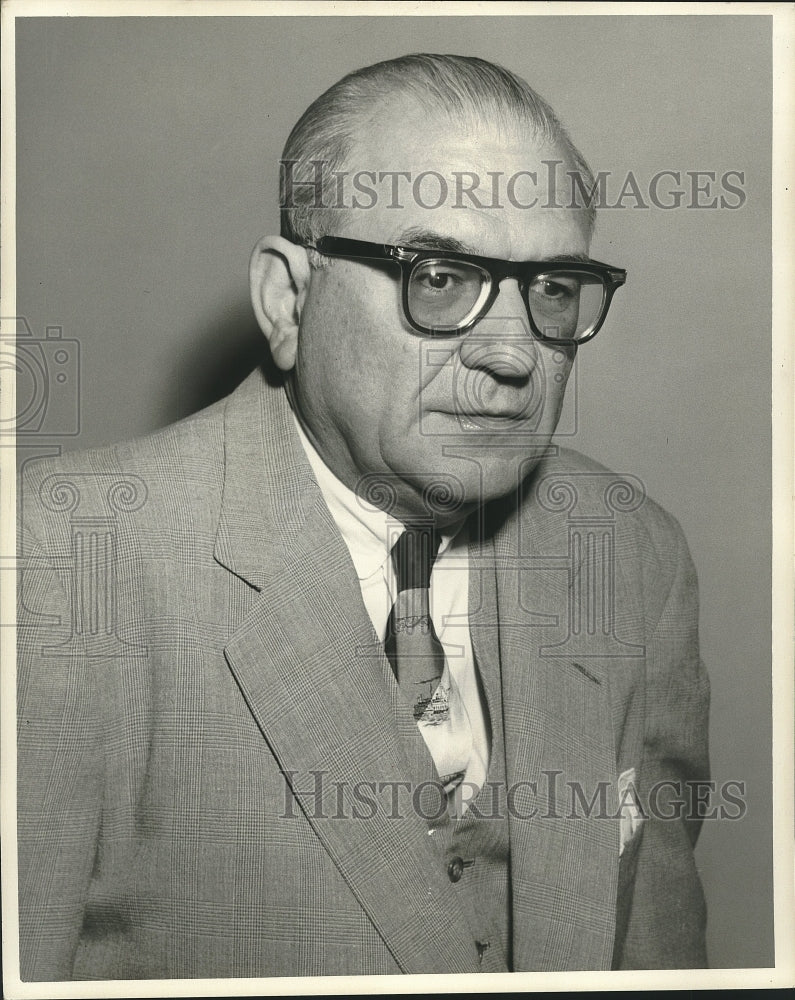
459,486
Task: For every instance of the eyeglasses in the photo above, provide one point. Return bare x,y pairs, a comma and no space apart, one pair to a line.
446,293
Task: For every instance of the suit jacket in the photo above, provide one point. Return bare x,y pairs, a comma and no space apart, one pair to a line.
202,699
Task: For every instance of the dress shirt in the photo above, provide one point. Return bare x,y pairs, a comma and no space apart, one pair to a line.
369,534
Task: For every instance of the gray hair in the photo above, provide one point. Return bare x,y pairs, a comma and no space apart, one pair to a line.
463,87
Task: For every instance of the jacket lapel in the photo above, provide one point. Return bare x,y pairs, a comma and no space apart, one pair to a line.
316,681
558,736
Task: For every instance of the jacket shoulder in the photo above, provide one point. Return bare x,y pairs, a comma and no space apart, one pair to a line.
156,479
191,436
594,486
570,492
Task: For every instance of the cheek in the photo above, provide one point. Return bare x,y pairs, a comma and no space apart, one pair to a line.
330,345
358,310
357,363
556,365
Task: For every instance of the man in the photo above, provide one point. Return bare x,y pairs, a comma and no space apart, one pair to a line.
355,672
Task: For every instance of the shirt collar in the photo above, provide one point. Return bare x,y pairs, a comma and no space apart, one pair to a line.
368,531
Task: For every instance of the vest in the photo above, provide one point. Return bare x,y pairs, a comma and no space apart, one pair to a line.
475,850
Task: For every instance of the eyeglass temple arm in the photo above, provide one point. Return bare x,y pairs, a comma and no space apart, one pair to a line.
356,248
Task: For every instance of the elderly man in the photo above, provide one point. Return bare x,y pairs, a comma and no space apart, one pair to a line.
355,671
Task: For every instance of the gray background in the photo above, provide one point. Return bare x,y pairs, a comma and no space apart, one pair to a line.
147,168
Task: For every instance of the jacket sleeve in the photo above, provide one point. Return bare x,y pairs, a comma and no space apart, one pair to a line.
59,768
665,916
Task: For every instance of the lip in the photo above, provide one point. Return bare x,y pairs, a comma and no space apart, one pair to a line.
489,425
503,414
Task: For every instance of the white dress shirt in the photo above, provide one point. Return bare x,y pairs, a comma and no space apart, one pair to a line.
369,534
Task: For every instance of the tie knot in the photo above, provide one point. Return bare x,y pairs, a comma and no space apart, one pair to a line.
413,555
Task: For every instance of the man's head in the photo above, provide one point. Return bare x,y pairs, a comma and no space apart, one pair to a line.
395,413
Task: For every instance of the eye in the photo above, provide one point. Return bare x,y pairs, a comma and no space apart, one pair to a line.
437,278
554,293
551,289
443,292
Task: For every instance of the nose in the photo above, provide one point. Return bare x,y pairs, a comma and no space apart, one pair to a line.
501,343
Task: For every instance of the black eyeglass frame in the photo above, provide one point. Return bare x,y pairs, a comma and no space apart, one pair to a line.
524,271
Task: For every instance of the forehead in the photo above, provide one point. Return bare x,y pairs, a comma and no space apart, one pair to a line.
498,190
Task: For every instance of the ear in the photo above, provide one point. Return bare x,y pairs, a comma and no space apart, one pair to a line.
279,274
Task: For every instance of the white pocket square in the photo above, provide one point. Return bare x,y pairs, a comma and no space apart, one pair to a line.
629,808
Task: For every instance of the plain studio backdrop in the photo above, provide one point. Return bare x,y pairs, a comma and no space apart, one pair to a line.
147,168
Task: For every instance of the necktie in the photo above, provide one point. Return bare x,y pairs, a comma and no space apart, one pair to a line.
418,659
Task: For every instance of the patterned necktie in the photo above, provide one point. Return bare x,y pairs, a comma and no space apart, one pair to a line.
417,657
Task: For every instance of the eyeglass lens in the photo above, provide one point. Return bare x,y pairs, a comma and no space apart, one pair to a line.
447,295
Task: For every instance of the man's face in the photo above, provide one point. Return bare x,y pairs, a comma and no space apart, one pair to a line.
388,407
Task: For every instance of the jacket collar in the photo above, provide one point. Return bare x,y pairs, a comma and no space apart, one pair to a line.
269,491
318,684
315,678
558,735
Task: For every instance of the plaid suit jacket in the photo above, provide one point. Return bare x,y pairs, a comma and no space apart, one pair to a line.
202,700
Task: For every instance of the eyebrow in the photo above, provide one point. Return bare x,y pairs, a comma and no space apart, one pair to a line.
576,258
427,239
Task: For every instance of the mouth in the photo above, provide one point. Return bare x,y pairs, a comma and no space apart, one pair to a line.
487,419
